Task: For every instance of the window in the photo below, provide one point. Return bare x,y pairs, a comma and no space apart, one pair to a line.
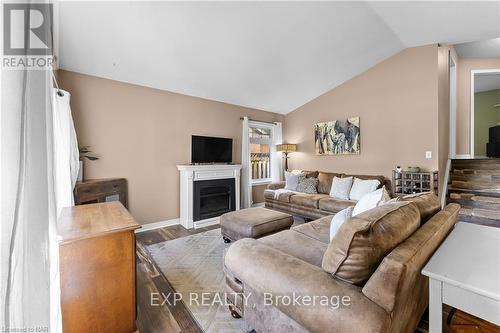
260,137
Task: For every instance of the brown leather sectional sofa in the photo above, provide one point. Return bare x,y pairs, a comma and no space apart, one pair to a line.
313,206
379,272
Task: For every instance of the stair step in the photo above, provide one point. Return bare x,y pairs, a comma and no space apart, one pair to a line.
479,220
470,204
452,189
481,178
481,164
481,213
455,170
476,186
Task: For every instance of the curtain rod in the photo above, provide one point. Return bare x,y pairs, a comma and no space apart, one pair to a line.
261,121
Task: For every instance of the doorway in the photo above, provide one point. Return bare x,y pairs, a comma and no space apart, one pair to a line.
485,113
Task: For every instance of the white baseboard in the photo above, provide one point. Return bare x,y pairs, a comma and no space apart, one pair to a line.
260,204
157,225
206,223
462,157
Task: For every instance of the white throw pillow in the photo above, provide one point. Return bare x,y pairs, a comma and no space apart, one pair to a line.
361,187
341,187
338,219
371,200
292,180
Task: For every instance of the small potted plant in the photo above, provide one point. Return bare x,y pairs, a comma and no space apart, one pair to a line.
84,153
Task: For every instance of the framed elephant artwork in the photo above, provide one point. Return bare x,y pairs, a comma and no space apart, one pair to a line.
339,137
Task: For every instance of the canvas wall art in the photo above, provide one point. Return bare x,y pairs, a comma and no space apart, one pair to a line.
339,137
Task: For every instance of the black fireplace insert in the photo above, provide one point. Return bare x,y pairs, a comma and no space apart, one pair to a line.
212,198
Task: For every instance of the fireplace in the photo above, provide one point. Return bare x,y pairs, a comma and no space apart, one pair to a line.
212,198
206,192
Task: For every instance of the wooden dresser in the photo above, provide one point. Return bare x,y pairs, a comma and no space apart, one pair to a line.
101,190
97,263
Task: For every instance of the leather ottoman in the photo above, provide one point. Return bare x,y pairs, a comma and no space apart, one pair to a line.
253,223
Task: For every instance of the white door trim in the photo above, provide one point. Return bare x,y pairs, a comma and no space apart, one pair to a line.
453,106
472,113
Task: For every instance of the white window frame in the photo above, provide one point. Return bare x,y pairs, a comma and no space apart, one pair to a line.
266,141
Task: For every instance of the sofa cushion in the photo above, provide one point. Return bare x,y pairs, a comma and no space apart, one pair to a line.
381,179
364,240
371,200
339,219
427,203
298,245
276,185
403,265
334,205
341,187
318,229
308,185
307,200
278,195
269,194
325,181
310,174
361,187
292,180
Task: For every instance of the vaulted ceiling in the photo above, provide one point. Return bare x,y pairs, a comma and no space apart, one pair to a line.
274,56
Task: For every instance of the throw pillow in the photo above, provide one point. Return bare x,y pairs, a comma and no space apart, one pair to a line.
341,187
308,185
292,180
361,187
371,200
338,219
361,243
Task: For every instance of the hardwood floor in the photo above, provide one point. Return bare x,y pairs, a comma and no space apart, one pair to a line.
176,318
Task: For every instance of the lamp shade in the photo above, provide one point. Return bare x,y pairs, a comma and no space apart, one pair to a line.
286,147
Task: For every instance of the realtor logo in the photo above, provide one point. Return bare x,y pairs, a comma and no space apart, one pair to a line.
27,29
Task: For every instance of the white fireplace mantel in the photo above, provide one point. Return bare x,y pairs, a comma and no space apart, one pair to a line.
190,173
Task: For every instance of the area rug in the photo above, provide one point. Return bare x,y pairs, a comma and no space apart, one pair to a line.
193,266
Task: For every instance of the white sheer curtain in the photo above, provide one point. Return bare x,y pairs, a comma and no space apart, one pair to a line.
37,148
66,150
276,157
246,175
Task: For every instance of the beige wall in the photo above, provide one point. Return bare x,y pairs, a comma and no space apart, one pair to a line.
397,101
466,65
142,134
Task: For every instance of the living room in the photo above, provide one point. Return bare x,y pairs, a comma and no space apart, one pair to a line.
218,158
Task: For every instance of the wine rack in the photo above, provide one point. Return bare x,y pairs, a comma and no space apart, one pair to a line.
406,182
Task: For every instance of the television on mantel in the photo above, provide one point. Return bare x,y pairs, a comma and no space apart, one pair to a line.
206,149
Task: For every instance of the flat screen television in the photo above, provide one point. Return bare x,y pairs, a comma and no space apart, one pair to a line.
206,149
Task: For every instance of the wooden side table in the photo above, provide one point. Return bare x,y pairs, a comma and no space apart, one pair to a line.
465,273
101,190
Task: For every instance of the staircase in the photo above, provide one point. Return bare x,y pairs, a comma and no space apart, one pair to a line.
475,185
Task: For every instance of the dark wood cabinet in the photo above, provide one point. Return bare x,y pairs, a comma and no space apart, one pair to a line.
101,190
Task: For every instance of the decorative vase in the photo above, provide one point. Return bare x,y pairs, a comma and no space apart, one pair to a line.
80,172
